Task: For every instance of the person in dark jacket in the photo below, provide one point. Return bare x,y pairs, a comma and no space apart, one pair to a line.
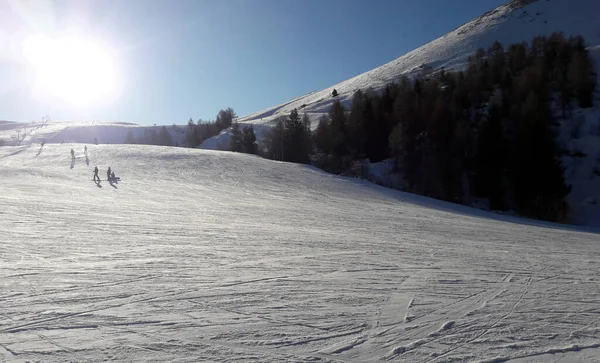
108,172
96,177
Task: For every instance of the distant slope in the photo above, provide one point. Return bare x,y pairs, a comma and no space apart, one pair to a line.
22,133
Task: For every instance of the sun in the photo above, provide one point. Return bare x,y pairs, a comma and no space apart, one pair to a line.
76,71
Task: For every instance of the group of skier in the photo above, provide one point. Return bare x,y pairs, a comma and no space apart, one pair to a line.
110,175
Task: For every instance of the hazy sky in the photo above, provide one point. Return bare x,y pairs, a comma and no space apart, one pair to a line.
176,59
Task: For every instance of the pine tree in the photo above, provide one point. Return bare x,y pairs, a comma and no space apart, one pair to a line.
322,136
295,139
274,141
307,133
225,118
356,125
538,177
236,143
491,150
307,124
249,140
517,57
337,127
497,62
582,78
397,143
192,137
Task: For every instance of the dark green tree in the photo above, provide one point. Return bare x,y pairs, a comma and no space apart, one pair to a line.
192,136
295,148
582,78
397,143
274,141
490,161
249,145
225,118
337,127
307,133
236,143
356,125
538,177
322,136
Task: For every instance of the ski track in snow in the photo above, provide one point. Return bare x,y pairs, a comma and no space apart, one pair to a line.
214,256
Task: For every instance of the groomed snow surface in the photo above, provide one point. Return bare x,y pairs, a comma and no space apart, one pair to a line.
201,255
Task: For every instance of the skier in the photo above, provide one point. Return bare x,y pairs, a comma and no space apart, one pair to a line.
72,154
113,177
108,172
96,177
85,150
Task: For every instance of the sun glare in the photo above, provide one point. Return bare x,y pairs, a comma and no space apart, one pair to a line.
76,71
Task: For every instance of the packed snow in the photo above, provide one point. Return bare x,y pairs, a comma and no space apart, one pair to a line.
199,255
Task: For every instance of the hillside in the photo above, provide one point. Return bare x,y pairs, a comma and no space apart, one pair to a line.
578,136
200,255
513,22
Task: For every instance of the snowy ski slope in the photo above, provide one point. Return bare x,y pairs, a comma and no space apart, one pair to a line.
199,255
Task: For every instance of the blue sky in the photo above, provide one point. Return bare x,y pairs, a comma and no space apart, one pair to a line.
189,58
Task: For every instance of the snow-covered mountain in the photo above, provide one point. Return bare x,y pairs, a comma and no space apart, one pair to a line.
205,256
516,21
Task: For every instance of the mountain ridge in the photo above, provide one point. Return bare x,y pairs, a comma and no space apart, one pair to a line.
513,22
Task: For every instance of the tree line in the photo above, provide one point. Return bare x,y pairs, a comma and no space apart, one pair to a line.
488,131
243,139
150,137
201,130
